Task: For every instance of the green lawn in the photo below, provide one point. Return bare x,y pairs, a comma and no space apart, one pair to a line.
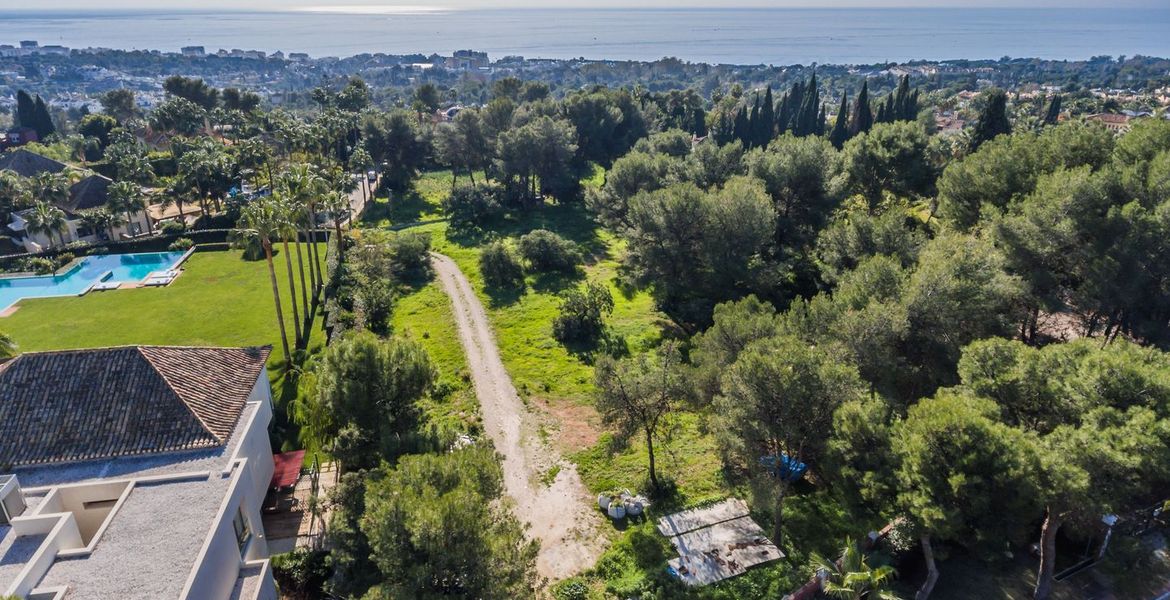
219,300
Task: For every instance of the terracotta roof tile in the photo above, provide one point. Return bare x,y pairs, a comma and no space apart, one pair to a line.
87,404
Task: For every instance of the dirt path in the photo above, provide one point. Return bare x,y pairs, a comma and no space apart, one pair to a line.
561,515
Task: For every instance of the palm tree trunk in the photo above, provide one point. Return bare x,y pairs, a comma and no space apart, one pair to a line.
312,271
279,312
304,292
931,569
1044,577
292,290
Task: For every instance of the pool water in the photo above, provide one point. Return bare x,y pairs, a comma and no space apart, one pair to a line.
123,268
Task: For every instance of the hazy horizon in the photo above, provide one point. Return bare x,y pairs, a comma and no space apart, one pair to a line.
359,6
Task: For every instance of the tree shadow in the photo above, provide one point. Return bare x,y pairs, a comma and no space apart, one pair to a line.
499,297
407,207
556,281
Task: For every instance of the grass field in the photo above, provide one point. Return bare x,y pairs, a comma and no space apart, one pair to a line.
219,300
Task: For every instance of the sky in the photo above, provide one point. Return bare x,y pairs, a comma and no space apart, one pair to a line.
408,5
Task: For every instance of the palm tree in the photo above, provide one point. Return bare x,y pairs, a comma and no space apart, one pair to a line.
127,197
283,226
49,187
261,221
8,347
304,186
47,219
102,219
337,204
290,228
851,578
13,191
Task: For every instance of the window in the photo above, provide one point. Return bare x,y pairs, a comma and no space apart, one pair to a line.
243,532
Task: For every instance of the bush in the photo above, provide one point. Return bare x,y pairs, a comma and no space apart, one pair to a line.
41,265
547,251
583,312
410,258
63,259
571,589
301,573
183,243
500,268
472,205
172,227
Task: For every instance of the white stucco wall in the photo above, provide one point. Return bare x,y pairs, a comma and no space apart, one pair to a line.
215,573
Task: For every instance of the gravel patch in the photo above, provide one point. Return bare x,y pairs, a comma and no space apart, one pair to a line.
15,552
150,545
560,515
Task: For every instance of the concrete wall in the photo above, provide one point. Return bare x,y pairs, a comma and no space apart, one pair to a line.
90,520
218,566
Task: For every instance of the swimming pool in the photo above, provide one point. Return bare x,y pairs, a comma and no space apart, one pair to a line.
123,268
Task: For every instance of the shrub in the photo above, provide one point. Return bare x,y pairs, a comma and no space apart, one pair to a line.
547,251
63,259
410,258
172,227
571,589
41,265
301,573
583,312
472,205
500,267
182,243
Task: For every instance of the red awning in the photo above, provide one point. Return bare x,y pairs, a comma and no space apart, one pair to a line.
288,468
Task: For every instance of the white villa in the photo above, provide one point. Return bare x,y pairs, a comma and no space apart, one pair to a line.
135,472
89,193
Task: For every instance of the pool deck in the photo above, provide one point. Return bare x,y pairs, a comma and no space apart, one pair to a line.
176,267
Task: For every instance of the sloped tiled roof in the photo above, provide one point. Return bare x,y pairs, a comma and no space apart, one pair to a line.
89,193
88,404
27,164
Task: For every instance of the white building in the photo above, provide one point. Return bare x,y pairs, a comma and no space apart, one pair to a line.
135,472
90,193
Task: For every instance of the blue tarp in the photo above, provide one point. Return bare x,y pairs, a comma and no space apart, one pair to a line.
783,467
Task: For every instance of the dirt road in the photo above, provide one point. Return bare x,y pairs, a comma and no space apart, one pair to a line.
561,515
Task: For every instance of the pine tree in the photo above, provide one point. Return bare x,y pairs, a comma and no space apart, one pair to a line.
993,120
840,133
862,114
767,120
1053,114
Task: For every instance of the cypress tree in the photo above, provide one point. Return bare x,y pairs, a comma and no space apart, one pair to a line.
26,110
754,125
901,100
795,102
1053,114
993,120
741,128
806,121
862,114
699,126
44,121
767,119
911,113
783,114
840,133
821,121
881,112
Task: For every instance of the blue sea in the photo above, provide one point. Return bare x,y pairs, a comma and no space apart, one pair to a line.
736,36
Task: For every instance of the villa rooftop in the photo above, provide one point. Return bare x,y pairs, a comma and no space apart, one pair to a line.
26,164
80,405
